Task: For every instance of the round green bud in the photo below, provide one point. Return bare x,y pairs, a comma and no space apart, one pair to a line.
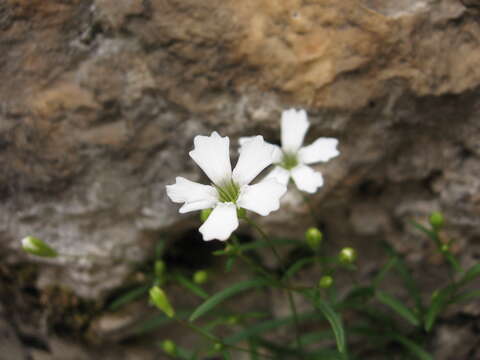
232,320
445,248
200,277
325,281
204,214
436,220
218,347
169,347
314,237
159,268
347,255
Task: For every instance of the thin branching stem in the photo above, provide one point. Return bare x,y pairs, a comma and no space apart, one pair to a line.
288,287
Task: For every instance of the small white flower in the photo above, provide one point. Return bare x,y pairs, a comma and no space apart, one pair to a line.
229,190
292,159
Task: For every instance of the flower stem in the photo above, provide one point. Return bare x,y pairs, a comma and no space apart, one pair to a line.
289,292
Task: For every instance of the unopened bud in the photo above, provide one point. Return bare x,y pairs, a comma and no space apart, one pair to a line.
200,277
325,281
204,214
445,248
160,300
218,347
169,347
436,220
314,237
232,320
37,247
347,256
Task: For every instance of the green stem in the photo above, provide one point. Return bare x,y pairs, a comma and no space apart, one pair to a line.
289,292
215,339
307,201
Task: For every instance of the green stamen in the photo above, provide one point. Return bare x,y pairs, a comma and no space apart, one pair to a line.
228,192
289,161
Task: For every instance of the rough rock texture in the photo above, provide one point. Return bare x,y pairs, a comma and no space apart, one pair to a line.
100,101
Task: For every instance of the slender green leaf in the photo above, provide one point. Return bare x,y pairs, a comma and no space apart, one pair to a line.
413,347
157,321
385,270
406,275
466,296
128,297
359,294
297,266
439,301
433,235
430,233
263,327
335,322
452,260
221,296
470,275
398,307
190,285
314,337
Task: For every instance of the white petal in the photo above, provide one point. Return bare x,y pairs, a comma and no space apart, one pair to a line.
277,152
306,178
212,154
262,198
294,128
255,155
245,139
195,196
322,149
221,223
280,174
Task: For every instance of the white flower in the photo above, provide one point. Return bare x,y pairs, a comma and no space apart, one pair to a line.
292,159
229,190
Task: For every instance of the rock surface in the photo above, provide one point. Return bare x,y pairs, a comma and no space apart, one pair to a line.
101,100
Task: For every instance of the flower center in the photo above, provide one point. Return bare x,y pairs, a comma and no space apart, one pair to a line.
289,161
228,192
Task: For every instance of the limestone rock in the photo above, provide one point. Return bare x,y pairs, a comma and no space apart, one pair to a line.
101,100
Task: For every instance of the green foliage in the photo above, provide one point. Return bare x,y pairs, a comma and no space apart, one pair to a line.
379,321
221,296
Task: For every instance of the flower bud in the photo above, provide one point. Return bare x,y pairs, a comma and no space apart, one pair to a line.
232,320
218,347
314,237
169,347
445,248
204,214
347,255
160,300
325,281
159,268
200,277
37,247
436,220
